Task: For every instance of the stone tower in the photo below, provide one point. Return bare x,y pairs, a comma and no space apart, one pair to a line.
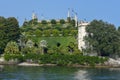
81,34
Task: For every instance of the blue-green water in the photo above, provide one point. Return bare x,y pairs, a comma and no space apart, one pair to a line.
58,73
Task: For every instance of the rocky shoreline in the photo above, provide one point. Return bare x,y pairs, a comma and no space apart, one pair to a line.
34,64
108,64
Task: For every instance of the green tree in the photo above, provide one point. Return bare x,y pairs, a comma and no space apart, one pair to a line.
9,31
46,33
22,41
69,19
119,28
3,36
55,32
38,33
72,22
53,21
62,21
12,48
33,22
30,44
71,47
102,38
2,21
66,32
25,23
73,32
44,22
13,29
43,45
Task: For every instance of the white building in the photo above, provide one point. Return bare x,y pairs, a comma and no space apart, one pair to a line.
81,34
34,16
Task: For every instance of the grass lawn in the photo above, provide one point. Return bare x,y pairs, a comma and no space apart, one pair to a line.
52,41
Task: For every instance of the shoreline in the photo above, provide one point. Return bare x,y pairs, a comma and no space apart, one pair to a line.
111,63
27,64
34,64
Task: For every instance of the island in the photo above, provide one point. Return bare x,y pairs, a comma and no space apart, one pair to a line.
61,42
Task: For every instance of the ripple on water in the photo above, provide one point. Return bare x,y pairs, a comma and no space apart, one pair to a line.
58,73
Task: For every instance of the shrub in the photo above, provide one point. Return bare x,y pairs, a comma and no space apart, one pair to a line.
12,48
62,21
53,21
38,33
18,57
55,32
59,59
44,22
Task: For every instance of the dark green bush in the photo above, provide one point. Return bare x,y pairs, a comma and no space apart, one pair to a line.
53,21
62,21
44,22
19,57
59,59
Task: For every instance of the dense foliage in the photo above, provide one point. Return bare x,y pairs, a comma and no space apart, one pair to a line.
54,32
102,38
53,21
59,59
12,48
9,31
44,22
62,21
49,28
55,41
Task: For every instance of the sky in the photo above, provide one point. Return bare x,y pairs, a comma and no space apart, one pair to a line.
106,10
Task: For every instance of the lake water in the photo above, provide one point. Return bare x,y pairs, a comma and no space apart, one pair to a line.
58,73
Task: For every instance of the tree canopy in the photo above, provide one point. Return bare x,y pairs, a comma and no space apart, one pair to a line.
62,21
12,48
53,21
9,31
102,38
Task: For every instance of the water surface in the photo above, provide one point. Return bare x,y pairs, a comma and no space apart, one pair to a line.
58,73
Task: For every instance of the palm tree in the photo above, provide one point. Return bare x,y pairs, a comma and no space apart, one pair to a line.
43,45
30,44
22,41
